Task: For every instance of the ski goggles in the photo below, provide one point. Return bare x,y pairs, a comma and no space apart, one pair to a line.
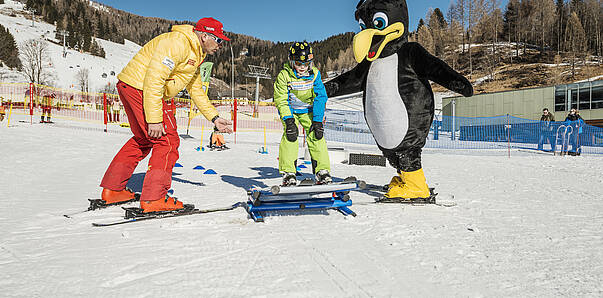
301,63
217,39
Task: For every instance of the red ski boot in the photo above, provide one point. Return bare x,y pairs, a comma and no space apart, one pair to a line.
111,197
161,205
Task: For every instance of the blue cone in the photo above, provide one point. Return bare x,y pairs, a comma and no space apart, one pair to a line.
210,172
177,165
199,168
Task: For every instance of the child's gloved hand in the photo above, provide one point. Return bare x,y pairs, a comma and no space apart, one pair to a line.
291,129
318,129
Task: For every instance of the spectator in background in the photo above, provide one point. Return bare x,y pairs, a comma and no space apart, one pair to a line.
47,108
115,107
2,111
546,129
574,120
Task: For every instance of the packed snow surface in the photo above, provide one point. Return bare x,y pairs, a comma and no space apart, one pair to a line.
526,226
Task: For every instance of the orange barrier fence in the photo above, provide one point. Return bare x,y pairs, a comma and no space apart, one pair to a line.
33,99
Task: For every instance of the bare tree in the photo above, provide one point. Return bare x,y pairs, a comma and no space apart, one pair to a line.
594,13
437,25
109,89
543,19
82,78
474,12
454,31
426,39
36,61
576,38
460,16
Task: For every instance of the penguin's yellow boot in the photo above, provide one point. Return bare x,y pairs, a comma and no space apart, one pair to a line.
413,186
396,181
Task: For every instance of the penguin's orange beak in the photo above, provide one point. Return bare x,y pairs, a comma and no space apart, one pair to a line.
363,41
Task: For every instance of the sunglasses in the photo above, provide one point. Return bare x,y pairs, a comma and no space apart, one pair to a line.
300,63
217,39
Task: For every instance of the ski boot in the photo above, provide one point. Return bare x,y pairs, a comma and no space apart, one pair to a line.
289,179
111,198
168,204
323,177
395,182
410,188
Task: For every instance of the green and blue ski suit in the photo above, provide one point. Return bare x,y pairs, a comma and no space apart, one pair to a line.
304,99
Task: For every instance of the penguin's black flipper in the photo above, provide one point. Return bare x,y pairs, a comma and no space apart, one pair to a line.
434,69
349,82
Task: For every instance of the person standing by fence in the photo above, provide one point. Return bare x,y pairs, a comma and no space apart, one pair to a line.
46,108
546,129
162,68
574,120
2,110
115,108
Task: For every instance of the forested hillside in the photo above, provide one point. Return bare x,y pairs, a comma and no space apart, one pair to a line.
565,33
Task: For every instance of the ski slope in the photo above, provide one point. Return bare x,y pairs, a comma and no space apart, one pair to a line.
65,68
525,226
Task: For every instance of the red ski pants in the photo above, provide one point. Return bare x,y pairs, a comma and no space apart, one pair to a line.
158,178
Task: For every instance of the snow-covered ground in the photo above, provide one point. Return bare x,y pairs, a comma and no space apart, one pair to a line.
525,226
65,68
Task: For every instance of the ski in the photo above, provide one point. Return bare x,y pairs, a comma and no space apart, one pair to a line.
381,199
97,204
134,215
306,190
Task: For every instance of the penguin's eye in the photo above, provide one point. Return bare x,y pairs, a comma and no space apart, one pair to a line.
362,24
380,21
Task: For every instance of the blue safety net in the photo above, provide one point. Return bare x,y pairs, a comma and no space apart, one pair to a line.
480,133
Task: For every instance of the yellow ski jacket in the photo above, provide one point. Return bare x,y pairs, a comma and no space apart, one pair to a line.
166,65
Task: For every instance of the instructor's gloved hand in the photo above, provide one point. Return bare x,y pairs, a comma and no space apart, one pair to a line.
291,129
318,129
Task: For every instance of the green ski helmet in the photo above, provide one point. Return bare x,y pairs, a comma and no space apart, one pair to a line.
301,52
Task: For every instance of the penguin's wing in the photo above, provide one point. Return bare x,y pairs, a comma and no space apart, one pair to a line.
348,82
434,69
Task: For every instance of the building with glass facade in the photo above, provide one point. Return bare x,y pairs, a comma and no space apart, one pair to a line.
587,97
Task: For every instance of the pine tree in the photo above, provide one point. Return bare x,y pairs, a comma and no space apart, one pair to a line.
9,53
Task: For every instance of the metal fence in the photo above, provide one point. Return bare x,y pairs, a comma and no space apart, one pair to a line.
480,133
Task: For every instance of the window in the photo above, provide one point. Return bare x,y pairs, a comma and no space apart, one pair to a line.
597,95
584,96
560,98
574,98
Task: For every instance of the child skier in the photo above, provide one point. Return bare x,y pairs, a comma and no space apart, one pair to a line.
300,97
216,140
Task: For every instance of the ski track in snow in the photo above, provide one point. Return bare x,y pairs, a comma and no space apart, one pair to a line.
528,226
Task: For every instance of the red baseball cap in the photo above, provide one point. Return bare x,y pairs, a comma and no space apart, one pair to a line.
212,26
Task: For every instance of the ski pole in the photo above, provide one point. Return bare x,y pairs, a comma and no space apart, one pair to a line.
201,146
265,150
10,112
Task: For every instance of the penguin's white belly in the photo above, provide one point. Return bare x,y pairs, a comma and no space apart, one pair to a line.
384,109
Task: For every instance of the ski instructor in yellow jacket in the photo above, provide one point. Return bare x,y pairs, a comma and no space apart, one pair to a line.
162,68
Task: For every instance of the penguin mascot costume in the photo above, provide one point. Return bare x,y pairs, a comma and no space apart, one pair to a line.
398,102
